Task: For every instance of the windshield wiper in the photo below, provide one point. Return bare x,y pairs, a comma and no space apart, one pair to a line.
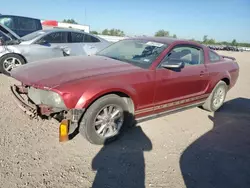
113,58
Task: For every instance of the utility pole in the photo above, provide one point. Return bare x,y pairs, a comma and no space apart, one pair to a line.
85,15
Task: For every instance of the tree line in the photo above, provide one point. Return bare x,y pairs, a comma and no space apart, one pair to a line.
211,41
206,40
111,32
164,33
118,32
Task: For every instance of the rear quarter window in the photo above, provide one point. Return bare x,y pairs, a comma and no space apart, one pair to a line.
77,37
90,39
213,57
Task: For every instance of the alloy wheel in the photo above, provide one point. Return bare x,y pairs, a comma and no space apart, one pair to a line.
11,63
219,97
108,121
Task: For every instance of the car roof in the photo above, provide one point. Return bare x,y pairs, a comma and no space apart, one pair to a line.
71,30
164,40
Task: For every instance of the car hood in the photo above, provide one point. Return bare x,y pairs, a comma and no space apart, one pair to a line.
54,72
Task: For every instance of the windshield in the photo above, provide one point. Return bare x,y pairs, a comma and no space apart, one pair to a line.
32,35
141,53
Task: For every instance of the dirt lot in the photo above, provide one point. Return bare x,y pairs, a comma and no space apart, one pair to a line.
189,149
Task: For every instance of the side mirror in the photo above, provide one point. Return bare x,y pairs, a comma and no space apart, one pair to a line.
173,64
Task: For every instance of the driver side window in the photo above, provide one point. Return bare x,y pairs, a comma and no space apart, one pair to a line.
56,37
186,54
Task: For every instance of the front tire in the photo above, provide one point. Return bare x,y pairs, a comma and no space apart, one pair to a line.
105,119
10,61
216,98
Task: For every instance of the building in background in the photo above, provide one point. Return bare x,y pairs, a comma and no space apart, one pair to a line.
48,24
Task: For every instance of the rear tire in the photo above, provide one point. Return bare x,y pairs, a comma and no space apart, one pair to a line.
88,124
10,61
216,98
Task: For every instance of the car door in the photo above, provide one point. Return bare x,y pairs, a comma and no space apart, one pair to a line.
186,83
51,45
76,43
91,44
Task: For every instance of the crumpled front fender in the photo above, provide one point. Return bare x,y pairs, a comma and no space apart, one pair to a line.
8,49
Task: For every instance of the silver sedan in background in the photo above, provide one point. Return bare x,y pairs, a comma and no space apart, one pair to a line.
46,44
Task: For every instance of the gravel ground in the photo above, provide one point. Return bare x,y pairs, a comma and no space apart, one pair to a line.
193,148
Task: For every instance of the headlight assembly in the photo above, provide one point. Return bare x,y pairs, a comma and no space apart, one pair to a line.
50,98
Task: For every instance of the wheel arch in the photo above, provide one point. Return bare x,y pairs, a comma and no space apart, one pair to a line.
128,97
129,101
225,77
25,60
226,80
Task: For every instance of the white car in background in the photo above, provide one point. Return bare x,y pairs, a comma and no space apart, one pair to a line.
46,44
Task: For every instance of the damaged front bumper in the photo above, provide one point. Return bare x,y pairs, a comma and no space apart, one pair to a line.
68,118
26,106
20,96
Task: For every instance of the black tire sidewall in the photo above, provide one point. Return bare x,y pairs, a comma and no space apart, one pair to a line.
220,84
86,126
2,59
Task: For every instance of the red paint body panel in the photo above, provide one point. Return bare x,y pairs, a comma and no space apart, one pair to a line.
54,72
81,80
133,83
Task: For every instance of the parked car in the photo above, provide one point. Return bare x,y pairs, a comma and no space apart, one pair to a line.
21,25
230,48
215,47
133,79
46,44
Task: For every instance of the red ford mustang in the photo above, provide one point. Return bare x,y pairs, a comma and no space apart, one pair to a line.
133,79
